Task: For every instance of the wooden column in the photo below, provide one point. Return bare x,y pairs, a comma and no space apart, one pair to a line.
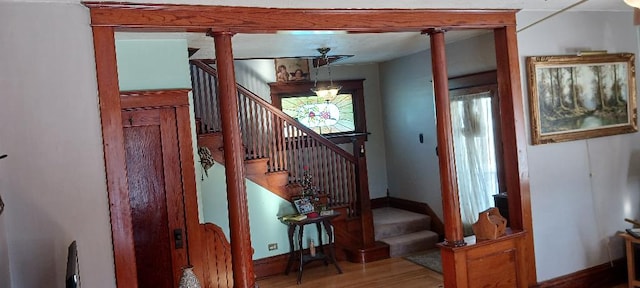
446,156
241,251
115,159
515,141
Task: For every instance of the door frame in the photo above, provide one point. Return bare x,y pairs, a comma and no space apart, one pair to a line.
108,17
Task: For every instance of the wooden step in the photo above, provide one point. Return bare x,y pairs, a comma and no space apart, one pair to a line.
256,167
279,179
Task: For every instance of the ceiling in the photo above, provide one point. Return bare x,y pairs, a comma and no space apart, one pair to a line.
369,47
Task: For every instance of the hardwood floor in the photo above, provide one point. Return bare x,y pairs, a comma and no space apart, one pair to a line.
392,272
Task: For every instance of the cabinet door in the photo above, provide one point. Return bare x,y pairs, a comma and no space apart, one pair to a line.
155,195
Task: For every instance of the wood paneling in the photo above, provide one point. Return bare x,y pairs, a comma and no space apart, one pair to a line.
489,263
155,196
263,20
218,271
164,98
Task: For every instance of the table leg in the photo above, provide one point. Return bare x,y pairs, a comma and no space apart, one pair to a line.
320,247
631,269
301,230
332,253
292,251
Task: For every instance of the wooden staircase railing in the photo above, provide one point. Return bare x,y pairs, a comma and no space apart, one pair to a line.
269,133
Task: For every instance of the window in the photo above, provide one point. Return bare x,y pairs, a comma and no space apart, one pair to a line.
478,150
338,119
323,116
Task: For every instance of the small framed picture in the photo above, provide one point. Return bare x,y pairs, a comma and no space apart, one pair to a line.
291,69
303,205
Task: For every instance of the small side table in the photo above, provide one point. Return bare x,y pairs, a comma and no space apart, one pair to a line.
320,253
631,269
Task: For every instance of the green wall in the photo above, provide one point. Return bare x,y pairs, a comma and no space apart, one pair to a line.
264,209
152,64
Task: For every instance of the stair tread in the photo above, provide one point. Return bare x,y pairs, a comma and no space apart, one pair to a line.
409,243
410,237
389,215
390,222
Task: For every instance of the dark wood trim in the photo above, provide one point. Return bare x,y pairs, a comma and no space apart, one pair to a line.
603,275
473,80
172,98
380,202
243,276
115,162
514,141
449,184
194,234
273,265
197,18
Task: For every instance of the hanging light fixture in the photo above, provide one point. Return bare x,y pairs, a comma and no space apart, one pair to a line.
330,91
633,3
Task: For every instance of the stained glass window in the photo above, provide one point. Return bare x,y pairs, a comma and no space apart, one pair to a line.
320,115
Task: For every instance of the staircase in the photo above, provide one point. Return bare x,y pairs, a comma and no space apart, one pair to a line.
278,149
405,232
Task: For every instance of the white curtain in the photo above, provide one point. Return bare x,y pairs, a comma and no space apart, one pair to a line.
475,155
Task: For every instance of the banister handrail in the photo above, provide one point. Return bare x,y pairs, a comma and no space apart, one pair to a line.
310,133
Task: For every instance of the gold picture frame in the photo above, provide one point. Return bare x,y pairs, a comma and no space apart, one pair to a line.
291,69
580,97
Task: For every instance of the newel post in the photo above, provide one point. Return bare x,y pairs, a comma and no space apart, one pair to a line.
364,201
453,235
243,275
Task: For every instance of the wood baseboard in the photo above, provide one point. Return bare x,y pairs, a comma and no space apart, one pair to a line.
377,252
270,266
380,202
275,265
604,275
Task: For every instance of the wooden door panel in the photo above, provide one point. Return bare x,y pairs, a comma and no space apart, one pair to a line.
155,195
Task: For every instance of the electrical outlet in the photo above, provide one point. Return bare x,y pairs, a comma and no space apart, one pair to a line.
272,246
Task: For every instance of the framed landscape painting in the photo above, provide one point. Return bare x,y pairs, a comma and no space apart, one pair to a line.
579,97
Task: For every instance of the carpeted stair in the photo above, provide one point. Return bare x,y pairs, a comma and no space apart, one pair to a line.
406,232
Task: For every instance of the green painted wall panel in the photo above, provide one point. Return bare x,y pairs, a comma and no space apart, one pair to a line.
152,64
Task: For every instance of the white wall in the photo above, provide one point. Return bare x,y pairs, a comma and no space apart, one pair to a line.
5,273
375,145
580,190
53,182
408,101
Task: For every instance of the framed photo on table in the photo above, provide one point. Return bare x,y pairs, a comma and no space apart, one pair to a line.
303,205
579,97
